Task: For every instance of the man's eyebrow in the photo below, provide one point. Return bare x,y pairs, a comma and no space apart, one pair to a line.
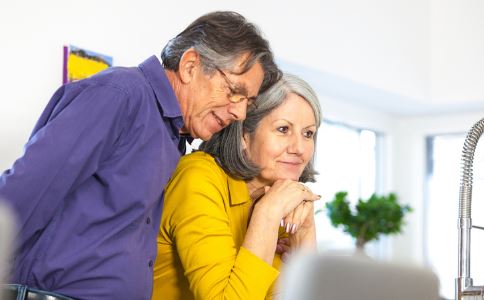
238,87
241,88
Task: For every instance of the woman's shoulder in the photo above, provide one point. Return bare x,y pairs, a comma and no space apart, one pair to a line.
197,158
196,174
198,162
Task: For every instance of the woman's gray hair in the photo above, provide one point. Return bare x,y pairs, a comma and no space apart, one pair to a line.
226,145
221,38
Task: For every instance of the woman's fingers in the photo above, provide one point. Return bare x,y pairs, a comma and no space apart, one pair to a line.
296,193
285,257
308,214
294,220
284,241
288,222
285,196
302,216
308,194
282,246
297,218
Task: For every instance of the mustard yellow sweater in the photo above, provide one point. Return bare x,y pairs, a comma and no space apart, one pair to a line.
202,229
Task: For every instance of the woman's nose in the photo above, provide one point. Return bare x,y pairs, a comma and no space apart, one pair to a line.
296,144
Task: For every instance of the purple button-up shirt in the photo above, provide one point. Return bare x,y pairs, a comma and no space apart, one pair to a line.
88,188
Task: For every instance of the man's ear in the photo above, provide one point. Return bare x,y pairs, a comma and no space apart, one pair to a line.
189,65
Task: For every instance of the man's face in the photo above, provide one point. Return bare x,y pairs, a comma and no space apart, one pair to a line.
214,101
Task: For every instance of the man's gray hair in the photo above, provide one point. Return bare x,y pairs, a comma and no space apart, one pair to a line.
221,38
226,145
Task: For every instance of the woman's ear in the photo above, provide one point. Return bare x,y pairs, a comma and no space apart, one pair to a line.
245,141
189,64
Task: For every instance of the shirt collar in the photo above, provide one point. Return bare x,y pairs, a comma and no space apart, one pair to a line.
155,74
238,191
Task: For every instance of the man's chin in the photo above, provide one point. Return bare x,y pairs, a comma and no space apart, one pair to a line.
205,136
205,133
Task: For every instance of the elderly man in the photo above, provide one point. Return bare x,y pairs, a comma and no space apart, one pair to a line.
88,189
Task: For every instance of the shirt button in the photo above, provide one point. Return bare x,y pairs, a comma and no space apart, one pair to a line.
150,264
148,220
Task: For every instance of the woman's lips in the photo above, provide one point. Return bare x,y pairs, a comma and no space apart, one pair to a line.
295,163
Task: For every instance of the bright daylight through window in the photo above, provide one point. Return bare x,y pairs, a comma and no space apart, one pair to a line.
346,160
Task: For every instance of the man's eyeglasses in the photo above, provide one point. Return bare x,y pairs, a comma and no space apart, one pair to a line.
235,96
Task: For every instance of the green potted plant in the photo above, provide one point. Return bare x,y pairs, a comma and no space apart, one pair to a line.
370,219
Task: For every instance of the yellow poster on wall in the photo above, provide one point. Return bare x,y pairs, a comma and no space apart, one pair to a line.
81,63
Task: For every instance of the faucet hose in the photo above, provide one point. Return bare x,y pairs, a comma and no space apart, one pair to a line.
465,193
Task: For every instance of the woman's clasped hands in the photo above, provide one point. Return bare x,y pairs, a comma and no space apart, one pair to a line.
293,202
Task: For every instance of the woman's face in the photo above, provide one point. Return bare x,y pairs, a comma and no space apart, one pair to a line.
283,142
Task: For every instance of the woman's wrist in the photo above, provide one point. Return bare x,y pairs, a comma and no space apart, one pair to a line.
272,212
262,233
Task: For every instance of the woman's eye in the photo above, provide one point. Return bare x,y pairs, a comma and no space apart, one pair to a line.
283,129
308,134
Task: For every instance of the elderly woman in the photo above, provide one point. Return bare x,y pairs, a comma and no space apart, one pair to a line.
226,207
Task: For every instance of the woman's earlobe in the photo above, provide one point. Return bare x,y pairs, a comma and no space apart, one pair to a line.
244,142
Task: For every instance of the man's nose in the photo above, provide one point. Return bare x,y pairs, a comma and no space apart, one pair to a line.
238,110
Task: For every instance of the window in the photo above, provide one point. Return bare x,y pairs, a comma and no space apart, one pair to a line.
347,160
444,154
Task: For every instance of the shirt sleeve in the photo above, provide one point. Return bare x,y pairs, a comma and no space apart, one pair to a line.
68,144
199,224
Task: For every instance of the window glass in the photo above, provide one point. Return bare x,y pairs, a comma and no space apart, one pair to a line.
346,161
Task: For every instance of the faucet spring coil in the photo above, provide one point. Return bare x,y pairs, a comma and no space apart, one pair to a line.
466,161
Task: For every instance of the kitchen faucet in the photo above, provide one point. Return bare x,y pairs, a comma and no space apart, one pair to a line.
464,288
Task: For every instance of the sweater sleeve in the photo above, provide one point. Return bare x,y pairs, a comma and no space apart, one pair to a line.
214,267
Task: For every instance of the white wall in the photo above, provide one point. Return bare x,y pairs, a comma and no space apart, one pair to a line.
457,63
379,43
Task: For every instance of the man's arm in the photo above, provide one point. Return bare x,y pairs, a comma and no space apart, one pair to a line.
62,153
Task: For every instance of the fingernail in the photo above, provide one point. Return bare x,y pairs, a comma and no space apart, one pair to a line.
294,227
288,227
282,223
